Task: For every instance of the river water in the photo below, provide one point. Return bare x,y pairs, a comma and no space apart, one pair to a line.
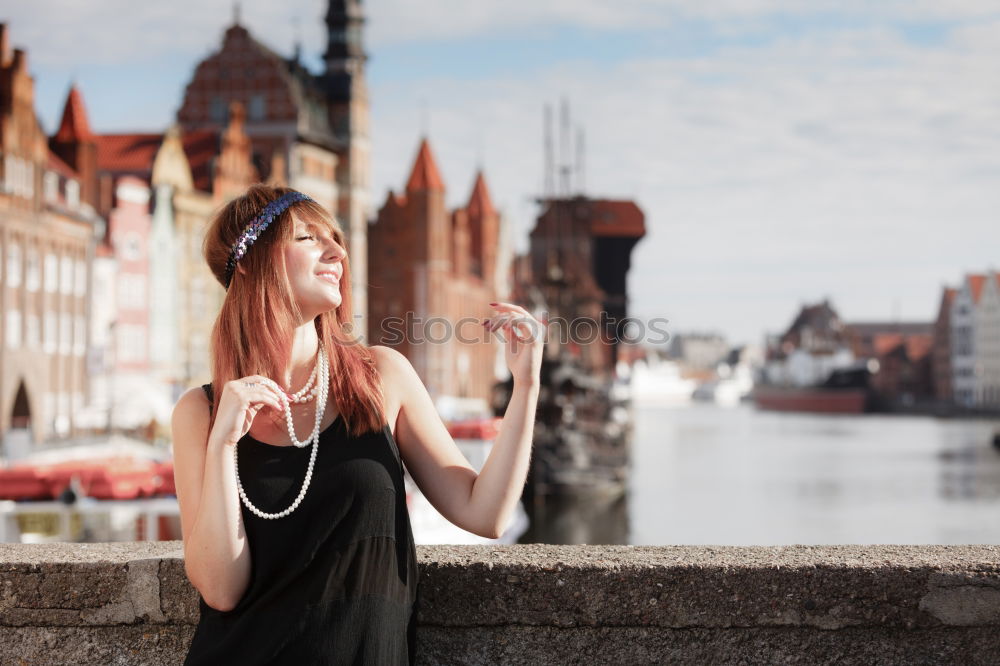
703,474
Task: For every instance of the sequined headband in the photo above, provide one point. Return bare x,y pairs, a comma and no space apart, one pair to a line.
257,227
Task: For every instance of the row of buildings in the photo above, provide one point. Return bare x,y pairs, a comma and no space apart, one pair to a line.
108,304
951,362
966,351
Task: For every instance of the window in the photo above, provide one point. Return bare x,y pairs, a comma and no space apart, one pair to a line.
13,329
51,186
72,194
66,275
51,272
32,278
14,265
217,111
132,343
29,179
8,172
81,277
132,246
132,291
257,108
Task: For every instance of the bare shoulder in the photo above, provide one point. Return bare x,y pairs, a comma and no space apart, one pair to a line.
192,410
388,360
395,371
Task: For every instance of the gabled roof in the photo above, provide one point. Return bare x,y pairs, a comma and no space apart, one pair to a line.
425,174
135,153
976,282
127,152
480,203
74,125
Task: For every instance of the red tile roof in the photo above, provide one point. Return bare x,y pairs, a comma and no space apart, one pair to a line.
425,174
133,153
918,346
976,283
74,125
616,218
480,204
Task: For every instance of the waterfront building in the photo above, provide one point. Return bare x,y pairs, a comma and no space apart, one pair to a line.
814,345
965,319
903,351
443,268
699,351
987,344
309,131
941,371
48,230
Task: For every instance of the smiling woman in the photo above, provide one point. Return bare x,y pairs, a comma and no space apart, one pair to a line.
301,555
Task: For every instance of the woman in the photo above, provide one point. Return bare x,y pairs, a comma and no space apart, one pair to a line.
301,550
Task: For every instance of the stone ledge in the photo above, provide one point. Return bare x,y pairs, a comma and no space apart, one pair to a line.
107,603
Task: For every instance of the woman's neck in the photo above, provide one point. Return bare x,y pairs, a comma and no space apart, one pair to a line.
302,357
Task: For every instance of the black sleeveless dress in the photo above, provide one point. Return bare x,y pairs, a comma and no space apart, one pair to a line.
335,581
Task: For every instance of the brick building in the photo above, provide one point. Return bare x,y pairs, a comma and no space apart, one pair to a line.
309,131
904,354
941,349
47,234
443,268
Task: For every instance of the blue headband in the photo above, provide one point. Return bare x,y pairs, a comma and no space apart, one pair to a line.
257,227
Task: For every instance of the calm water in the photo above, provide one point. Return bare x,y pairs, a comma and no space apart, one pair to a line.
711,475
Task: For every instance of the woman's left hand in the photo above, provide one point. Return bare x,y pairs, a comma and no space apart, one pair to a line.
525,338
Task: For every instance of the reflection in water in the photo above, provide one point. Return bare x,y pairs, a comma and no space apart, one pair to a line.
709,475
577,520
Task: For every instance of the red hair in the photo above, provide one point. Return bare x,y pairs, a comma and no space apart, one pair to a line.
259,315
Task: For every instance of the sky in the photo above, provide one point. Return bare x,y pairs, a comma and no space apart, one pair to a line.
782,152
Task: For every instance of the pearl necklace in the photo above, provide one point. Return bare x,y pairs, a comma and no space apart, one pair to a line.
323,390
308,392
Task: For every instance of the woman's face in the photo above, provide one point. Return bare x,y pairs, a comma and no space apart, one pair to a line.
314,262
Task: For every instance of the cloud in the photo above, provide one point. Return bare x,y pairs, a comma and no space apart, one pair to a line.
805,150
853,165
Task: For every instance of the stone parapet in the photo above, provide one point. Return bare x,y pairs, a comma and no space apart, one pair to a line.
130,603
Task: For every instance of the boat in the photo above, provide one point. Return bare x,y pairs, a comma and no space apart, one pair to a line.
845,391
659,383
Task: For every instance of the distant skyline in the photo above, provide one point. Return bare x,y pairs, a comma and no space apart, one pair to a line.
783,152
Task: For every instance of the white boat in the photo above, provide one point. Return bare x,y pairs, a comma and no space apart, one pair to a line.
656,383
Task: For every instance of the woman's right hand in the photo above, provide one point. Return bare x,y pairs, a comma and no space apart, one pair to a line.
240,402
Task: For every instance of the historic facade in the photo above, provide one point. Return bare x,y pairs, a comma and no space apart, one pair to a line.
48,228
433,273
309,131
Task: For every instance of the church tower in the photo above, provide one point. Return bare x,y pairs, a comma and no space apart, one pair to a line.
347,93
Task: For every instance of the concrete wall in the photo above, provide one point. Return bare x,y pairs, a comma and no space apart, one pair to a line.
130,603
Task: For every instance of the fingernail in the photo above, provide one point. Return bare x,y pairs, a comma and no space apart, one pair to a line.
494,304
